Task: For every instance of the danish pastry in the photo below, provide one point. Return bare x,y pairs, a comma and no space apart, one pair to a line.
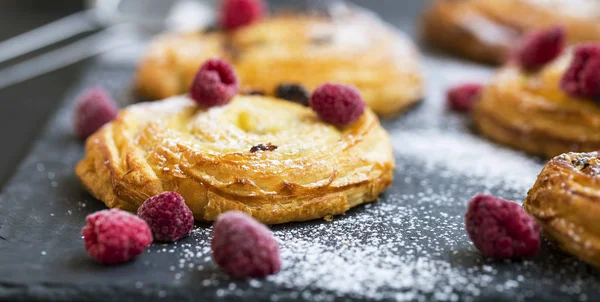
270,158
565,201
354,48
530,112
486,30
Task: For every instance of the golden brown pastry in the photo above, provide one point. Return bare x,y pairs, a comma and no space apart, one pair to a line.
270,158
486,30
353,48
530,112
565,201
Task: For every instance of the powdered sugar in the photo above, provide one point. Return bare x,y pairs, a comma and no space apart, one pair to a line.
412,245
459,153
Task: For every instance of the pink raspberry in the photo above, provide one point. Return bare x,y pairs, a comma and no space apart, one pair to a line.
337,104
94,109
540,47
243,247
215,84
501,229
462,98
168,216
582,78
237,13
115,236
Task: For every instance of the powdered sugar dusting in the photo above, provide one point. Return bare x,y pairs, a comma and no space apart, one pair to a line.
467,155
410,246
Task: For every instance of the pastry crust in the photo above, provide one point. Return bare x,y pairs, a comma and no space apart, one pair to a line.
204,155
565,201
531,113
353,48
485,30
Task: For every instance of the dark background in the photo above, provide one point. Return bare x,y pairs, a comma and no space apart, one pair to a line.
25,107
42,207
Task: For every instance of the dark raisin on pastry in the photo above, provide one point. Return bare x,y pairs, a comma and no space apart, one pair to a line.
293,92
263,147
211,28
321,40
254,92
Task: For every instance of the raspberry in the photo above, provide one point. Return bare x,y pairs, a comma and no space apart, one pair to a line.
540,47
501,229
168,216
337,104
243,247
115,236
582,78
293,92
215,84
238,13
94,109
462,98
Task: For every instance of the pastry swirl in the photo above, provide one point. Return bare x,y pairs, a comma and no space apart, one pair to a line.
214,160
565,201
530,112
485,30
354,48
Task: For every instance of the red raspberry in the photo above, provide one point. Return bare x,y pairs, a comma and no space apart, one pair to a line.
115,236
462,98
582,78
243,247
168,216
94,109
237,13
215,84
337,104
540,47
501,229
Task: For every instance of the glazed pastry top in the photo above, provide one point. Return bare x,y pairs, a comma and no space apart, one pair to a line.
354,47
565,200
228,133
268,157
544,83
575,8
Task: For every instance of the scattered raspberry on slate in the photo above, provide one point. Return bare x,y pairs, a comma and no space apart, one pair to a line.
582,78
94,109
462,98
501,229
169,218
540,47
337,104
243,247
215,84
293,92
237,13
115,236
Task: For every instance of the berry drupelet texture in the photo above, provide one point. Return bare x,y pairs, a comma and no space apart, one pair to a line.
243,247
215,84
169,218
501,229
115,236
337,104
94,109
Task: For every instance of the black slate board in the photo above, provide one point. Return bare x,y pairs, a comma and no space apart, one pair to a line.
409,246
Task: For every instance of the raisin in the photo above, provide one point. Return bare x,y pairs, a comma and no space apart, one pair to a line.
263,147
293,92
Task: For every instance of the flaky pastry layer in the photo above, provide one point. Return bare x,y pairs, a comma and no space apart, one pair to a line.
530,112
565,201
205,155
351,48
486,30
